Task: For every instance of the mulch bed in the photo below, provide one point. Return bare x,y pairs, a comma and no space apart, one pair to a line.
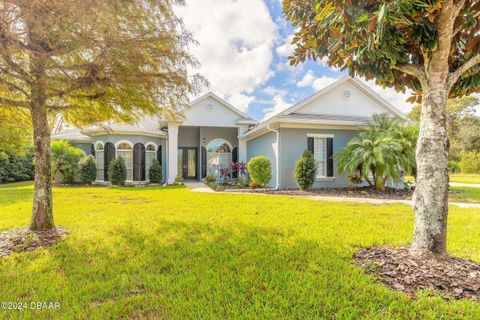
402,271
364,192
18,240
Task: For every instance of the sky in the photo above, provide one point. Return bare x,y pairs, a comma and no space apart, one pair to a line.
243,48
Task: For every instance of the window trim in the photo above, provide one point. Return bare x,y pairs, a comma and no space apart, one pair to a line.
320,135
97,144
150,143
323,136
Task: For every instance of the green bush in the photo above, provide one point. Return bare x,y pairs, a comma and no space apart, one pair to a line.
65,159
355,180
15,167
155,174
210,178
88,169
453,166
305,170
260,170
470,162
117,172
178,180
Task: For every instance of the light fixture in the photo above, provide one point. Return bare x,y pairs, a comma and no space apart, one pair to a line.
204,140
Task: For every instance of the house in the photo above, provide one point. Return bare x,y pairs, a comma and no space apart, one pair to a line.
214,133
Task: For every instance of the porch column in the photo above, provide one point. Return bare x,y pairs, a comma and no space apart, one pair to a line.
242,144
172,152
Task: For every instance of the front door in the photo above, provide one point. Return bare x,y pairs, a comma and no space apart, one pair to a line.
187,162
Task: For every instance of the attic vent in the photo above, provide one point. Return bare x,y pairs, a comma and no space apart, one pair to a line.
209,107
346,95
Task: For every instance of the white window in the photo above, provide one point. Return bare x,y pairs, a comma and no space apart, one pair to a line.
124,150
99,160
320,156
150,156
219,155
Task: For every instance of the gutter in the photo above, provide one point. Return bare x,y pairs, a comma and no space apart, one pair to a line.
277,156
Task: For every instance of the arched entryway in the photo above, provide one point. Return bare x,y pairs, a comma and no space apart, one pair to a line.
219,155
139,162
109,155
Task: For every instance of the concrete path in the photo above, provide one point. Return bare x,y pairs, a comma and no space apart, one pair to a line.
461,184
197,186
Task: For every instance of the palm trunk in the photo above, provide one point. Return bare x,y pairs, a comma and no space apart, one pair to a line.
42,213
430,200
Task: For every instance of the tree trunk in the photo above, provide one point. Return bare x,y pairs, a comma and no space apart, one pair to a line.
430,200
42,213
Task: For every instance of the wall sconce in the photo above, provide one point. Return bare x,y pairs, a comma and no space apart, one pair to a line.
204,140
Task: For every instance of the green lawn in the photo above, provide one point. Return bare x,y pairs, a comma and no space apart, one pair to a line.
149,253
466,194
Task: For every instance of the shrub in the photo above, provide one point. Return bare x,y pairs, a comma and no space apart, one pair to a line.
117,172
305,170
355,180
260,170
178,180
470,162
88,169
155,173
15,167
65,159
453,166
210,178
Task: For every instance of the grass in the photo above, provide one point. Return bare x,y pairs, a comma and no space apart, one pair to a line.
456,177
166,252
465,194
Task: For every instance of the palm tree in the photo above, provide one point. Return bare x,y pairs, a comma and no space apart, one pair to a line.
380,152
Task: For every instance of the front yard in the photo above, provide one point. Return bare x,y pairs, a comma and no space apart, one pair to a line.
142,253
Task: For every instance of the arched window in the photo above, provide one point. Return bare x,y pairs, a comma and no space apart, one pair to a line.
219,155
150,155
124,150
99,160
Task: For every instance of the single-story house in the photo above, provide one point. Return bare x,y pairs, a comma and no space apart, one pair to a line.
214,133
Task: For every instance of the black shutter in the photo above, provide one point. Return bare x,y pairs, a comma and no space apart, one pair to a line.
92,149
329,157
204,162
159,154
139,162
235,155
108,156
310,144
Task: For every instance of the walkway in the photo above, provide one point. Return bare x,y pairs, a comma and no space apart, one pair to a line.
460,184
197,186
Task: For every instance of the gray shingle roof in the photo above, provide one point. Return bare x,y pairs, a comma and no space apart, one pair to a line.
329,117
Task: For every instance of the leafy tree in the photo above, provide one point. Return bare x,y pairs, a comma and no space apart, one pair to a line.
88,169
15,132
260,170
428,46
305,170
470,162
463,125
15,167
117,172
65,160
155,172
90,61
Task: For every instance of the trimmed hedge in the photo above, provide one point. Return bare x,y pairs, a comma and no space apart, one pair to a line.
14,168
260,170
88,169
117,172
305,170
155,173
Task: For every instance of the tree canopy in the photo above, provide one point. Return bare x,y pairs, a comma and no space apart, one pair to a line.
389,41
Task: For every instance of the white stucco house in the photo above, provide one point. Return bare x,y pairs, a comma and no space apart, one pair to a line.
214,133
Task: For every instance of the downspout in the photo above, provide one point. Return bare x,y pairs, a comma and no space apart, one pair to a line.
277,156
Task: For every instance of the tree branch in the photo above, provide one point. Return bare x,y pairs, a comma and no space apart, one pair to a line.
14,103
411,69
455,76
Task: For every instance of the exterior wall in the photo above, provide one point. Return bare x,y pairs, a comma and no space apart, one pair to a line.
210,113
293,143
265,146
133,139
85,147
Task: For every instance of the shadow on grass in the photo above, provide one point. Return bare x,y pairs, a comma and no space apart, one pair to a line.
15,192
194,270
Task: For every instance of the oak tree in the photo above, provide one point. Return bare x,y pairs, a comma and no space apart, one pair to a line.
90,61
430,47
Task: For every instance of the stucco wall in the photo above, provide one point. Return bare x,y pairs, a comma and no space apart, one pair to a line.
86,147
292,144
136,139
264,146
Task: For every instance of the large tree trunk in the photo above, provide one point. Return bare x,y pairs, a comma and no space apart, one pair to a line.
430,200
42,213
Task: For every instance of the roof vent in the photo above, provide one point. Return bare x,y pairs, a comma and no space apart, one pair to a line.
346,94
209,107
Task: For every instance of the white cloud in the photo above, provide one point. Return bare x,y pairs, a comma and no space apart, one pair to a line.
236,40
272,91
241,101
323,82
286,48
280,105
307,79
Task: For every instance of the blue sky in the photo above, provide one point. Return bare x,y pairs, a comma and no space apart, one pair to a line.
243,47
